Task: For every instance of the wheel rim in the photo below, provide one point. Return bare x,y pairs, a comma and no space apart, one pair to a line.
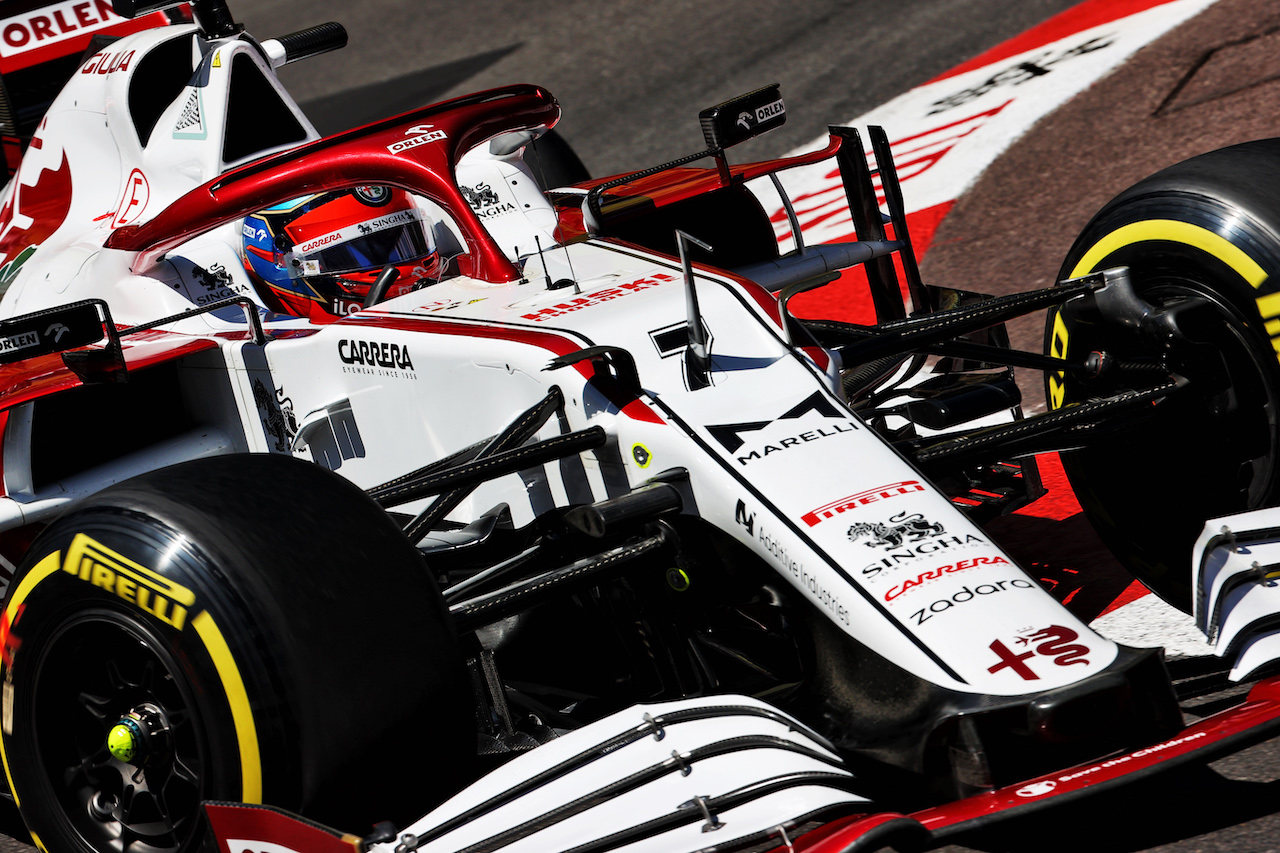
93,671
1190,463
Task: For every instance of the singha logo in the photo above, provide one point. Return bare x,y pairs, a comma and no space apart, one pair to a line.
480,196
213,278
276,414
902,527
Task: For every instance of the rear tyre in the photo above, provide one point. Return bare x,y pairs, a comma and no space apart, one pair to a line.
246,628
1207,232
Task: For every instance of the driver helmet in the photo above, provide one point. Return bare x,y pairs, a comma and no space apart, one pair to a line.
317,256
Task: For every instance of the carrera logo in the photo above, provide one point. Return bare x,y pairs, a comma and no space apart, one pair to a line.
319,242
870,496
423,134
55,23
605,295
374,354
1054,642
933,574
94,563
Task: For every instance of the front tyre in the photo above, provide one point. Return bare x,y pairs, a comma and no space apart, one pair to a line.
246,628
1205,234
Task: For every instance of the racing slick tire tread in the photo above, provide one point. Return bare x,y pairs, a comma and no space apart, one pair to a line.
290,634
1208,227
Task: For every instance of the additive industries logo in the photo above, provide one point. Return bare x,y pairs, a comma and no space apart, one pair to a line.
421,135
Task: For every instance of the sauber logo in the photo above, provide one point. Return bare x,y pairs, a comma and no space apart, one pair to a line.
375,354
94,563
421,135
879,493
55,23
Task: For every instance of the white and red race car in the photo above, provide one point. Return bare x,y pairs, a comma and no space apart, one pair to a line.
619,553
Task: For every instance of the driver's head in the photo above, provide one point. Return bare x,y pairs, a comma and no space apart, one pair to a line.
318,255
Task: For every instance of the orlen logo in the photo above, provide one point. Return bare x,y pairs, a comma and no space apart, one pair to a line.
55,23
769,111
422,134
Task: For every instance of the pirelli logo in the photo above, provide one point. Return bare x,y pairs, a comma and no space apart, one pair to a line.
94,563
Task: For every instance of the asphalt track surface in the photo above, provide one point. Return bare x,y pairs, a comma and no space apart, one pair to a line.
632,77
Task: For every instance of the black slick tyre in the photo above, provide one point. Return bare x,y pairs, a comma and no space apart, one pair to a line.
246,628
1205,232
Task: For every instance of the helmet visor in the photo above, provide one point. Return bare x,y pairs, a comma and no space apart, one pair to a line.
397,238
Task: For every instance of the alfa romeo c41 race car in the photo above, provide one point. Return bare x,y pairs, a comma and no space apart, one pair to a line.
357,482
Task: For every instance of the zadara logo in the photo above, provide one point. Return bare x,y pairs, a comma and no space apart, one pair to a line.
420,134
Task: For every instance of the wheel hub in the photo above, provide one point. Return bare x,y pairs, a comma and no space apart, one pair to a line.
141,737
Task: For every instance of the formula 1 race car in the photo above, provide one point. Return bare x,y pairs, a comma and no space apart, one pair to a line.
361,478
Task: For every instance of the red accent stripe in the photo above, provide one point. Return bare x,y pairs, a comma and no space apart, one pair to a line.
1132,593
634,409
77,44
1092,13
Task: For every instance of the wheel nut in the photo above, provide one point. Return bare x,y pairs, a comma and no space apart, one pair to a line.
125,740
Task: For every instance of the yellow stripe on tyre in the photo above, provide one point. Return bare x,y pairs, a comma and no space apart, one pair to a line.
49,565
223,661
238,698
1168,231
1173,231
